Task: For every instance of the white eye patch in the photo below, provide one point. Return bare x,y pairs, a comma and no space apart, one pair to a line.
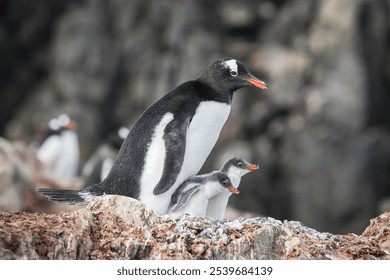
123,131
54,124
231,65
63,119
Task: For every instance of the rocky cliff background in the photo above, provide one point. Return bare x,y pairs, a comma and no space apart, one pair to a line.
320,133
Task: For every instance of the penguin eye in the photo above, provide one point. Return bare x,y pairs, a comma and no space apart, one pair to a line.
224,183
239,164
233,73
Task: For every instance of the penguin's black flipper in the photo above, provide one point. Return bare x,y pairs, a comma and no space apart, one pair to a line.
175,146
64,196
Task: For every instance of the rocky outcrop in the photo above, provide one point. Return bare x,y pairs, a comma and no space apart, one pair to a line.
116,227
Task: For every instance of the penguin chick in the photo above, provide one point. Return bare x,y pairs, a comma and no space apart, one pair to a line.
235,168
193,194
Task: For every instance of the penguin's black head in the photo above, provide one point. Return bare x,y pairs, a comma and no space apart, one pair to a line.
228,74
224,180
66,122
116,138
60,124
240,164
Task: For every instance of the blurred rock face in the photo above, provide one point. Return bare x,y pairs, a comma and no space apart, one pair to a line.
320,133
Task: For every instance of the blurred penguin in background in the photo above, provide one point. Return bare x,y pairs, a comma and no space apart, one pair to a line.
59,152
100,163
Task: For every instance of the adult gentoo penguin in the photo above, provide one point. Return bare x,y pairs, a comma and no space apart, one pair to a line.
193,195
235,168
171,140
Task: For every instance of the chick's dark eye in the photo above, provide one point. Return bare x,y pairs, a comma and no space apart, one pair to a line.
233,73
239,164
224,183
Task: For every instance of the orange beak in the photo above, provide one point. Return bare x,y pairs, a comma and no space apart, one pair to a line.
252,167
233,190
257,83
72,125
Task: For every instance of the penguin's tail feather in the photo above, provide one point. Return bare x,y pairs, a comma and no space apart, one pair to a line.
65,196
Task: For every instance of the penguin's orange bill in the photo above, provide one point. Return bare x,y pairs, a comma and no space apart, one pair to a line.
233,190
252,167
71,125
257,83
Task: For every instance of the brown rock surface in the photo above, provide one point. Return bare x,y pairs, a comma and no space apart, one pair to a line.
116,227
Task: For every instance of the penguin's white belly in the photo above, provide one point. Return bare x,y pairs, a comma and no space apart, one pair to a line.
67,165
196,205
202,133
106,168
49,152
153,168
60,154
217,205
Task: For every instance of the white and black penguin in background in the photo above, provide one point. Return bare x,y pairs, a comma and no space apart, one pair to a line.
194,194
59,152
171,140
234,168
100,163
